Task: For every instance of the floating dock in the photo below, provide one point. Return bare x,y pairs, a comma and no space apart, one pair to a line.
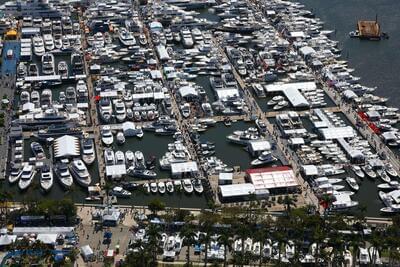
369,29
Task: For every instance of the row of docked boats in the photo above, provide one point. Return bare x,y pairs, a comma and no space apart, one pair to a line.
186,185
64,172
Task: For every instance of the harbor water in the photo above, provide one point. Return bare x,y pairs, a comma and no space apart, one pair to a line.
376,62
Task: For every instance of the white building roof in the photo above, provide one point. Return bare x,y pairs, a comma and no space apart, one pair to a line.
7,239
184,167
162,52
47,238
271,178
187,91
310,170
296,141
237,190
338,132
115,170
307,50
259,145
19,231
66,146
292,91
227,92
225,176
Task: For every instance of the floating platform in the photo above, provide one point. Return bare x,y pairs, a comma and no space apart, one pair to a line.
369,29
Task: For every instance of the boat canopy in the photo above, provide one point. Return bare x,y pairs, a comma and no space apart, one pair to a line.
67,146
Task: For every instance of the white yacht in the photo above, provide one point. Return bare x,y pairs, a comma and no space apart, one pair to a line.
82,91
106,135
363,256
63,174
392,185
80,173
375,257
38,151
46,178
28,172
169,187
390,170
119,158
120,192
48,42
130,158
126,37
141,173
280,105
187,186
153,188
35,98
120,111
142,39
352,182
244,137
266,157
48,64
109,156
15,174
105,107
62,69
46,97
187,39
38,46
185,109
58,42
120,138
357,171
197,186
161,187
88,153
275,100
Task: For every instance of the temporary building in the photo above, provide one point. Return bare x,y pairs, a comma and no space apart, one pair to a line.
66,146
236,191
184,169
87,253
7,239
274,179
48,239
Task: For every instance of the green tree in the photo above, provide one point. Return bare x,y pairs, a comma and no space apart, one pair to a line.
155,206
225,240
188,235
154,235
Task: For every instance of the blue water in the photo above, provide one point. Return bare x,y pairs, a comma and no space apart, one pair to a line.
9,65
375,62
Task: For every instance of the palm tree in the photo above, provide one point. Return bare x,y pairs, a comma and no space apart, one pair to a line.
5,198
107,188
242,231
356,242
225,240
376,242
154,237
205,238
207,220
188,236
139,255
288,201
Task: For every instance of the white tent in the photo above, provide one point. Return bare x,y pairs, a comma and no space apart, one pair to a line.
66,146
49,239
7,239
